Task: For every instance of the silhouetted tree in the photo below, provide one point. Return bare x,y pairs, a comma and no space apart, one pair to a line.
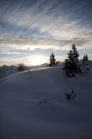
72,66
52,60
86,57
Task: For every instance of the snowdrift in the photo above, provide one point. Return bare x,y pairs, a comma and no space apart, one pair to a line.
33,105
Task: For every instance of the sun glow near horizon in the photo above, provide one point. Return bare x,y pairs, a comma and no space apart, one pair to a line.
38,60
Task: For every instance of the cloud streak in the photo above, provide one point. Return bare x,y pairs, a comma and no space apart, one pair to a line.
9,41
45,24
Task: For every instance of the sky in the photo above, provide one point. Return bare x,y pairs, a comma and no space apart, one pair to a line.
30,30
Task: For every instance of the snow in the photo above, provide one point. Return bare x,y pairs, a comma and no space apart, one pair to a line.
33,105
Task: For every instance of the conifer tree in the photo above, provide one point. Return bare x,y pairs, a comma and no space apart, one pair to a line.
85,60
71,66
86,57
52,60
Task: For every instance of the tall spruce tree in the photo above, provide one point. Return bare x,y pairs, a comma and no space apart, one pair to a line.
71,66
52,60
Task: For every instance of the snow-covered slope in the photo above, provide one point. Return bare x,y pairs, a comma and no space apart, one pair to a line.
8,70
33,105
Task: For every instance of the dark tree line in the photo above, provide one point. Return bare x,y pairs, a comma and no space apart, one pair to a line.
72,64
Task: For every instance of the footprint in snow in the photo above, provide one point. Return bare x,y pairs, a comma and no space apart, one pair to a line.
31,77
6,84
40,102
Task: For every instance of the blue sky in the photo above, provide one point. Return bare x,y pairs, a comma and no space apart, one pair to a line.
30,29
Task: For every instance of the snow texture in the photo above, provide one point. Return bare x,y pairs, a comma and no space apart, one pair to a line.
33,105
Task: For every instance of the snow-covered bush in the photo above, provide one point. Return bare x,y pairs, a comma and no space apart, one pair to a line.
70,96
21,67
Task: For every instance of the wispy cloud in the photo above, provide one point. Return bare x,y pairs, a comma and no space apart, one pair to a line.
9,41
45,24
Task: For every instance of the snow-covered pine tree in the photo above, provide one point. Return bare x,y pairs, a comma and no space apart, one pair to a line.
52,60
86,63
85,60
72,66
